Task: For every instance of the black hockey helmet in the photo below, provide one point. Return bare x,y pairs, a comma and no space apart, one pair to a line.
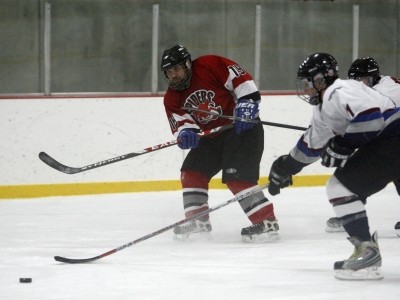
321,67
365,67
177,55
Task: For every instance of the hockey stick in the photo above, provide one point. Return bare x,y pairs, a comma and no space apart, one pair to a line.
245,120
246,194
48,160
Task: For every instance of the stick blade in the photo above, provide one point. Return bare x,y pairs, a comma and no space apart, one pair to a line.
51,162
73,260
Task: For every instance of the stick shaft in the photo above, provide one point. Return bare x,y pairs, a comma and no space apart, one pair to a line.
240,197
51,162
246,120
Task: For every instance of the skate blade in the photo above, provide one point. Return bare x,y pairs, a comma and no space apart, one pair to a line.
370,273
265,237
334,229
198,236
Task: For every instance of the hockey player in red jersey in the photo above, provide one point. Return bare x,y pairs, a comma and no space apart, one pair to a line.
356,130
219,85
366,70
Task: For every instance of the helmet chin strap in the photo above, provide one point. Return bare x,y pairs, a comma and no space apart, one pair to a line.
323,86
320,96
319,93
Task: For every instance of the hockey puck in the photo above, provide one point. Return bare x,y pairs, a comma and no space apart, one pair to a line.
25,280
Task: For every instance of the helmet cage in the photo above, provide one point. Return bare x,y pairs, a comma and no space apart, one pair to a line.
184,83
314,75
172,58
309,89
368,80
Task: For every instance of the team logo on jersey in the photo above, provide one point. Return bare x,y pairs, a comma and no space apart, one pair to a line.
203,101
209,112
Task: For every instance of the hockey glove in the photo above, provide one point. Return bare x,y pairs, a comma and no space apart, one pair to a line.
188,139
245,109
278,177
334,155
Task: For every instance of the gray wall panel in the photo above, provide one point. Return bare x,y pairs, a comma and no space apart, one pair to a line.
106,45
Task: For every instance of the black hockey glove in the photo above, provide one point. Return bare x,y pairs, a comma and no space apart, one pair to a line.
334,155
278,177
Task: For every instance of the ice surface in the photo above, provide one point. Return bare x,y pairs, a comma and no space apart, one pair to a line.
299,266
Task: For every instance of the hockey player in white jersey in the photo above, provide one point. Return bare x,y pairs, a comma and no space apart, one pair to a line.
366,70
356,130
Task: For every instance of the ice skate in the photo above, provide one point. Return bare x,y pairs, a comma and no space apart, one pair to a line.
265,231
397,228
183,232
363,264
334,225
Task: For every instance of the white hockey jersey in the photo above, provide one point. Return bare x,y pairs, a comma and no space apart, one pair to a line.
390,87
349,109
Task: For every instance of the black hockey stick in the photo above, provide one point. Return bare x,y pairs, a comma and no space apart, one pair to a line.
240,197
245,120
48,160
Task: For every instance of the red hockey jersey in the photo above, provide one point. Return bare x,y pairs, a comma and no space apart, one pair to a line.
216,84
